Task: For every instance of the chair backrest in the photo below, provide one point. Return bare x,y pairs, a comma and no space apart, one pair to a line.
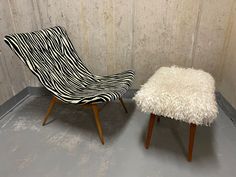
50,55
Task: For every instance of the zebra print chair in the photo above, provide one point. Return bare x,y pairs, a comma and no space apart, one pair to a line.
50,55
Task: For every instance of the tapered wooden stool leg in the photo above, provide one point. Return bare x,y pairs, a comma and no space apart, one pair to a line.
121,101
192,131
149,132
52,103
98,123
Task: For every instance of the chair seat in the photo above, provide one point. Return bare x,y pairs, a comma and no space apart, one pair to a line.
105,88
50,55
178,93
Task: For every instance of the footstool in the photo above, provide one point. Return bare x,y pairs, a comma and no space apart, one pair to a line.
186,95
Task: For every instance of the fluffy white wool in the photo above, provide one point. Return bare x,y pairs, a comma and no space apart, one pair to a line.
178,93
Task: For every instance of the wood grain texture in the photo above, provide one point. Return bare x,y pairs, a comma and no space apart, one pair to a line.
23,18
192,130
114,35
163,35
149,130
212,33
228,80
12,76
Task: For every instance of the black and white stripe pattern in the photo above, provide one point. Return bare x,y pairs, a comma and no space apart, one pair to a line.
50,55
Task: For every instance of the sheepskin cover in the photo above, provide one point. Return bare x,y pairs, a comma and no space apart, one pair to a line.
178,93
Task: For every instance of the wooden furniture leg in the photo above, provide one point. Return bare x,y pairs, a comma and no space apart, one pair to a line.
158,119
52,103
98,123
192,131
149,132
121,101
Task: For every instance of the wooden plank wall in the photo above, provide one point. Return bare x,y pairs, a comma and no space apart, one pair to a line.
228,78
113,35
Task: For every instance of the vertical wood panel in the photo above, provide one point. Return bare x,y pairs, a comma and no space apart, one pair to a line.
163,35
122,32
211,35
24,20
12,79
100,30
228,80
85,26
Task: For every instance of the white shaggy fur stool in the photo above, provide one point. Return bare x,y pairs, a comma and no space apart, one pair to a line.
183,94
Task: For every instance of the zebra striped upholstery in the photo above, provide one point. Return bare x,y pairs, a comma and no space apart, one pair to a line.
50,55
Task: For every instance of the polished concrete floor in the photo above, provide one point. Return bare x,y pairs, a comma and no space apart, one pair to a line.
69,145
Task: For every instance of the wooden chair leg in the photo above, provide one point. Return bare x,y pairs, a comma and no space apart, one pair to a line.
149,132
192,131
121,101
52,103
98,123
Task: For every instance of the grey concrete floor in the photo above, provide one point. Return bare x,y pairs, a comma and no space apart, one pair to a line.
69,145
